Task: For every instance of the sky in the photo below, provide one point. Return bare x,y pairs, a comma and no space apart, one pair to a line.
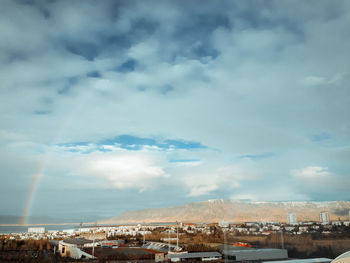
108,106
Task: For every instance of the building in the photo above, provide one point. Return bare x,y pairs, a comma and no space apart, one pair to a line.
160,257
343,258
324,218
196,256
292,219
112,243
73,248
256,254
36,230
94,236
159,246
307,260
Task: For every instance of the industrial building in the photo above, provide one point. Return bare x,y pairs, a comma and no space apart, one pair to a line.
197,256
36,230
256,254
307,260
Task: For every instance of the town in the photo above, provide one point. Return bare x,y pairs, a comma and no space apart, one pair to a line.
249,241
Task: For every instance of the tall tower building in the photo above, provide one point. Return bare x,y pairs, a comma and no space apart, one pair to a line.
292,219
324,218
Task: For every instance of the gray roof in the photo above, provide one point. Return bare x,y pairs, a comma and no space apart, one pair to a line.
253,250
195,255
258,254
307,260
77,241
159,246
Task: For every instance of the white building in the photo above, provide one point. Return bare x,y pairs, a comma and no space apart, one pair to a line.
195,256
292,219
308,260
256,254
72,248
324,218
36,230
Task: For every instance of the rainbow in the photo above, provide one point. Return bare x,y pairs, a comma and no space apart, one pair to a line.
31,193
40,172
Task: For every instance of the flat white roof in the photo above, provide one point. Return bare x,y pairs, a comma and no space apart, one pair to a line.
306,260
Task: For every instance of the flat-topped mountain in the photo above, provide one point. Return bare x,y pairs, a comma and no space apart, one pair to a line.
235,211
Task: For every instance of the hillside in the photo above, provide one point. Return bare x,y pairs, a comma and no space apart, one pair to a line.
235,211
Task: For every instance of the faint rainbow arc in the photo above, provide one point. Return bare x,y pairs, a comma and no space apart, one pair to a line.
31,193
41,169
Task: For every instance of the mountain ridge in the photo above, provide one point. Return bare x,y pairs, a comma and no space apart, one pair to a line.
235,211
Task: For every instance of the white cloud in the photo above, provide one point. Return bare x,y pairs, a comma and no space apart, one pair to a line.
126,171
337,78
311,172
314,80
199,190
202,183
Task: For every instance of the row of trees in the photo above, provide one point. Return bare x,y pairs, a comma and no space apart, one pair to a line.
30,244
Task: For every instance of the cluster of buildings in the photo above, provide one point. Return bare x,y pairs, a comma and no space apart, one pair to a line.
324,218
92,242
293,226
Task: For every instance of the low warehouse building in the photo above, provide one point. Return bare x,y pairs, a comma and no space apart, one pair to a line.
197,256
307,260
257,254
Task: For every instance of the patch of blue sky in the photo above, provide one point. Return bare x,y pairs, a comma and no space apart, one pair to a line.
257,156
73,144
129,141
136,143
184,144
133,143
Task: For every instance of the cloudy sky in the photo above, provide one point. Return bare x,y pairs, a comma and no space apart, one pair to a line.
107,106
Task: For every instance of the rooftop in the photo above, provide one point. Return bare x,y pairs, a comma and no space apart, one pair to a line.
195,255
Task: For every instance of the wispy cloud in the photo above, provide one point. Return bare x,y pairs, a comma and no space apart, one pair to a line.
311,172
